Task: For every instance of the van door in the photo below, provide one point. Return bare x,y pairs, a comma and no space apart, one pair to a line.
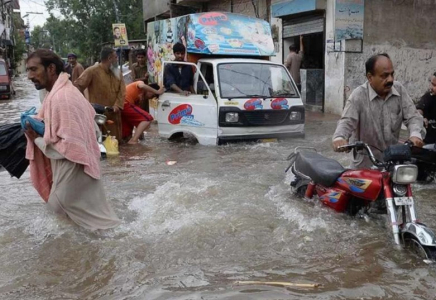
195,114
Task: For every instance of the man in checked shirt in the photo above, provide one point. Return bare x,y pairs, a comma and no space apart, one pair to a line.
375,111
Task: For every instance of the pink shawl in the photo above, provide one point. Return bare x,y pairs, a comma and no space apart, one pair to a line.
69,128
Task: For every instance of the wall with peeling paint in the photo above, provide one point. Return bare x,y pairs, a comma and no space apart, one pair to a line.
406,30
334,67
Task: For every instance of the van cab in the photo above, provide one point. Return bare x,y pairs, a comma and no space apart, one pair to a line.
235,99
5,80
240,93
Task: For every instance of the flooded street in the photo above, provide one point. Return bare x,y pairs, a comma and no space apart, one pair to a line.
190,230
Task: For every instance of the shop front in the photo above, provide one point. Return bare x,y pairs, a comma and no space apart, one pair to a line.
305,18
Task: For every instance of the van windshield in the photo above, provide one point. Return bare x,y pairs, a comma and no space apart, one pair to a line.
243,80
3,70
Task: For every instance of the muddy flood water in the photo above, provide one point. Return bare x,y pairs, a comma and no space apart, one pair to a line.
192,229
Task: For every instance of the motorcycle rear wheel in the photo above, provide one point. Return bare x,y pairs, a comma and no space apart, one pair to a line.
424,252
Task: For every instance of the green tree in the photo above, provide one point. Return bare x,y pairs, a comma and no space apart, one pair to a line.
39,38
87,24
20,45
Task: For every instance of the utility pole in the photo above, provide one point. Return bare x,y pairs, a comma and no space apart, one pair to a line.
28,26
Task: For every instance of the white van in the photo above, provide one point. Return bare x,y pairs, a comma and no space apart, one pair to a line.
235,99
240,94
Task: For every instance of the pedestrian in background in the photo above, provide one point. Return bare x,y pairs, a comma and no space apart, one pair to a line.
75,69
293,62
65,162
105,85
427,108
132,115
139,68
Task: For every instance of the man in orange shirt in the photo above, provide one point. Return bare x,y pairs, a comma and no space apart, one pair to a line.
132,115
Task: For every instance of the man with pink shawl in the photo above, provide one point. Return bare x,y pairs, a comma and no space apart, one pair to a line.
65,164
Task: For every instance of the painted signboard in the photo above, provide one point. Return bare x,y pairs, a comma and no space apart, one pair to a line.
120,35
210,33
289,7
227,34
349,15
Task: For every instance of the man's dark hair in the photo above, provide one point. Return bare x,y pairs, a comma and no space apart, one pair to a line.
47,58
116,28
140,52
154,86
105,53
434,74
293,48
178,47
370,63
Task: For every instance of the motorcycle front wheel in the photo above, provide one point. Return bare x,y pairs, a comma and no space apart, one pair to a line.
412,244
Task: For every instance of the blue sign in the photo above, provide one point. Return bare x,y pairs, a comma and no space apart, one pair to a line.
27,36
228,34
289,7
349,16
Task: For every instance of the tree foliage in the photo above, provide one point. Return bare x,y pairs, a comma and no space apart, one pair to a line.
39,38
20,45
86,25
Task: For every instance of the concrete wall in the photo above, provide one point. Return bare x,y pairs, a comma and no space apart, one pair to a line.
244,7
334,67
153,8
278,58
406,30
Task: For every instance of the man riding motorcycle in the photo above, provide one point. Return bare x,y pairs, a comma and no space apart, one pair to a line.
375,111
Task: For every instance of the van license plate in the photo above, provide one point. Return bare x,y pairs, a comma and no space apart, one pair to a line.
403,200
268,140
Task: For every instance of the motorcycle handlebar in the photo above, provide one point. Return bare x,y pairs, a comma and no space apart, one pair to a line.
101,109
363,146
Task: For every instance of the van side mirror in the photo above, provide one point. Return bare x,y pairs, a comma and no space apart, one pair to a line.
201,88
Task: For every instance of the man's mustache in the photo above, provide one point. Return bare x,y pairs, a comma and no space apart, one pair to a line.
389,84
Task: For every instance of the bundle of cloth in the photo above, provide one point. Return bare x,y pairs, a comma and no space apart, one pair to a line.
13,149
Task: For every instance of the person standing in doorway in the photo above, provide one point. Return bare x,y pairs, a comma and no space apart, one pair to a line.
293,62
105,85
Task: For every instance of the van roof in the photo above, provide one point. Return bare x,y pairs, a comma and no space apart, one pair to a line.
216,61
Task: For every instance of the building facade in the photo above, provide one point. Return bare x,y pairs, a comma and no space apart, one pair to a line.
338,36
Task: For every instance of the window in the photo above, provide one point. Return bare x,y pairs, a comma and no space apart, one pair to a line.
3,70
243,80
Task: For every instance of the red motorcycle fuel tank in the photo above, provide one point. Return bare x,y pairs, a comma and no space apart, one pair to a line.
364,184
333,197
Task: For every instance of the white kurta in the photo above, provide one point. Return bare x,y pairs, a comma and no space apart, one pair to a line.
76,194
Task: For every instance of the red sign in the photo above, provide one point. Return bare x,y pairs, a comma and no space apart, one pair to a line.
278,103
212,18
252,104
178,113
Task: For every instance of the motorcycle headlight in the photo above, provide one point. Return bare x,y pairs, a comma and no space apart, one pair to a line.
404,174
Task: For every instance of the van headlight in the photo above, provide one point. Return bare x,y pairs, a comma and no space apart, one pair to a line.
404,174
232,117
295,116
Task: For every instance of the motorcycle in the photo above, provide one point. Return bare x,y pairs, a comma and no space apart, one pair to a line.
100,120
385,189
425,160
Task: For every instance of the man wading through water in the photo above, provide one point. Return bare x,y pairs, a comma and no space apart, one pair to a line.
105,85
65,162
